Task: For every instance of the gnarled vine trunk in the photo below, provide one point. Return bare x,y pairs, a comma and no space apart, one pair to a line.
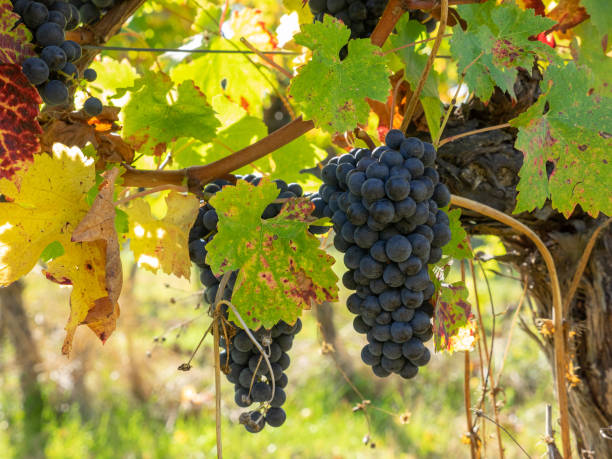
484,167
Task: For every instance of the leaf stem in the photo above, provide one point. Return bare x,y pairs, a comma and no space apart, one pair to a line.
434,50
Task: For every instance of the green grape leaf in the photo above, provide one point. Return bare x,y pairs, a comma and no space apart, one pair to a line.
243,130
590,53
599,10
112,75
495,43
454,325
331,91
570,128
282,268
458,246
302,9
159,113
229,74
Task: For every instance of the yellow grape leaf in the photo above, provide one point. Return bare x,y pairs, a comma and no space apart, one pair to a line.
46,202
83,266
163,243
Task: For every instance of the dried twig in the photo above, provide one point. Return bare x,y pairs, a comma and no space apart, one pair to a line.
434,50
558,337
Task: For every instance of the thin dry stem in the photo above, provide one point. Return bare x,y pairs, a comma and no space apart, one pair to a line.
266,59
414,43
514,321
156,189
558,337
476,131
434,50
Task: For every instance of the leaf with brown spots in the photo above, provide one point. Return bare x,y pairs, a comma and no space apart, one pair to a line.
282,268
495,44
568,14
19,128
566,137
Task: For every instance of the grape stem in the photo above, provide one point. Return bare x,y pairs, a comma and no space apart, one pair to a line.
558,336
434,50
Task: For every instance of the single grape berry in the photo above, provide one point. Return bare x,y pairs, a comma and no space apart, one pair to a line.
90,75
50,34
36,70
92,106
54,93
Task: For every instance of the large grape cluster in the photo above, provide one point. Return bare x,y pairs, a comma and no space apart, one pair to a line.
385,207
241,360
53,71
359,16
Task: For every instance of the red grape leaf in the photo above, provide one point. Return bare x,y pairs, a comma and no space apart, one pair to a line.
454,327
15,43
19,128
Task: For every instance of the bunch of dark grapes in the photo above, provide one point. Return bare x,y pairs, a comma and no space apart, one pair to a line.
384,205
241,361
92,10
361,16
53,72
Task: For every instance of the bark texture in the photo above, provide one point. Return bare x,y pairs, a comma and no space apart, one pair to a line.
484,167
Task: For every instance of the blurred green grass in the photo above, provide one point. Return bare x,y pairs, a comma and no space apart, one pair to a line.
126,399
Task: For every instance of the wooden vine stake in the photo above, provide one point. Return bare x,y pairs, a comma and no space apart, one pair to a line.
558,337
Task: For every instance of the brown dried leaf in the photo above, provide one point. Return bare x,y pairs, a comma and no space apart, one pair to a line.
568,14
99,224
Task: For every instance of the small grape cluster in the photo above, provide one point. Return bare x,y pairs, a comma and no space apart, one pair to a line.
359,16
53,72
241,360
384,205
424,18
